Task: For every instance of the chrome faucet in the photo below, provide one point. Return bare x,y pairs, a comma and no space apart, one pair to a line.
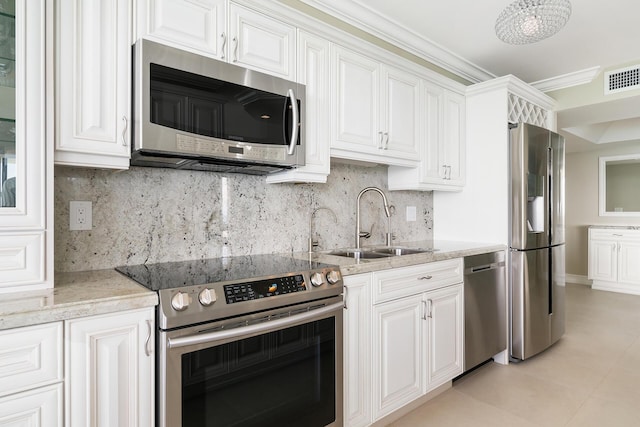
387,212
314,243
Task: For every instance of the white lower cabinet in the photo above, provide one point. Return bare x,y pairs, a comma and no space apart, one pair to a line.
39,407
613,259
403,337
31,376
109,370
398,354
357,354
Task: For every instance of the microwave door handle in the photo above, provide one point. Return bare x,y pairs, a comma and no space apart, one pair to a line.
295,122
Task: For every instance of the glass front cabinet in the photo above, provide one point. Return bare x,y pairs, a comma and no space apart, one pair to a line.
25,171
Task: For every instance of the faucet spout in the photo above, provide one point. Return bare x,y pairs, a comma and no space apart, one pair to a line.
314,243
387,212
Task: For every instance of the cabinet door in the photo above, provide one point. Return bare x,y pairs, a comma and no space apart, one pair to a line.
198,26
356,102
398,355
260,42
38,407
399,111
313,72
93,83
445,335
603,260
25,174
454,144
109,370
628,263
357,350
433,170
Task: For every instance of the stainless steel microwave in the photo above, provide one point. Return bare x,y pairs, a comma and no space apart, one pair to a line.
195,112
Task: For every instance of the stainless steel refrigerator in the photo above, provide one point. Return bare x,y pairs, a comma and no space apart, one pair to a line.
536,239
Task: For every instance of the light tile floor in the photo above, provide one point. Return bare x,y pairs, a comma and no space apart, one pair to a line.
591,377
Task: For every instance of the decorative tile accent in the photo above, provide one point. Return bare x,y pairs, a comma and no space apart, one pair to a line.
147,215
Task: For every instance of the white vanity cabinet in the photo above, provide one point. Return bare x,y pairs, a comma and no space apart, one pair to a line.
93,83
109,364
26,172
376,110
31,376
224,30
403,337
613,259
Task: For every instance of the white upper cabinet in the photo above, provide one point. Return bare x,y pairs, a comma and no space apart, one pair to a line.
442,142
261,42
195,25
25,174
375,110
224,30
313,72
93,83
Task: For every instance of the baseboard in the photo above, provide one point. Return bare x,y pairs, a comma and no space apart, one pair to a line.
577,279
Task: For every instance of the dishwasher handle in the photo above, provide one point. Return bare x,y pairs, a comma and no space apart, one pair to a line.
485,267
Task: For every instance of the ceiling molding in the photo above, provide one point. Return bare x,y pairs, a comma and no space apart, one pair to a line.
514,85
567,80
392,32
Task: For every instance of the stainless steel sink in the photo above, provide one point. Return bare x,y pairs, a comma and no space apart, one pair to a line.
373,253
360,254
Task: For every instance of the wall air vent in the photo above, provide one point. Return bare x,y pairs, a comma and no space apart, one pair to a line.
622,79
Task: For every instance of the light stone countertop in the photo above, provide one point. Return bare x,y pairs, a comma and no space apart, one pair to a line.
444,250
88,293
78,294
616,227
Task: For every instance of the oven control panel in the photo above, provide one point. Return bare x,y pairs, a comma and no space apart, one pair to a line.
264,288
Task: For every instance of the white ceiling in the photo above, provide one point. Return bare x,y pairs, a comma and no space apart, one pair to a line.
459,36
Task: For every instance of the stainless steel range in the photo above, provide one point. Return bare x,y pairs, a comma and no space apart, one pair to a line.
247,341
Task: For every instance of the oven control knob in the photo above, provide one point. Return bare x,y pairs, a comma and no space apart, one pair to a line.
180,301
317,279
333,277
207,297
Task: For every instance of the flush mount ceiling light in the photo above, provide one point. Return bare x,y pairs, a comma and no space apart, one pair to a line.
529,21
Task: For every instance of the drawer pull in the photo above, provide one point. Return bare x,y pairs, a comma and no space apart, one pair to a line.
428,277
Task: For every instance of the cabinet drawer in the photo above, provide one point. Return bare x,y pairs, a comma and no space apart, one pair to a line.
400,282
21,259
30,357
614,234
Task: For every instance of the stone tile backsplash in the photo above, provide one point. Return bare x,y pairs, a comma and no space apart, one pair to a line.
147,215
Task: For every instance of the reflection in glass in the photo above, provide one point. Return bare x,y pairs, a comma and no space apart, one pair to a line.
7,104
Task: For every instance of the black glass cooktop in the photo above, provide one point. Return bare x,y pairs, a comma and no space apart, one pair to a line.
168,275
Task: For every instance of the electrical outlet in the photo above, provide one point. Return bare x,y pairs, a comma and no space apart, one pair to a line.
80,214
411,213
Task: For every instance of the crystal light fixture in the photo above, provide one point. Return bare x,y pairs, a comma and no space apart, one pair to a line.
529,21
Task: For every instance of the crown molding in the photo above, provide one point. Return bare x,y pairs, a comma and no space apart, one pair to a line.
385,29
567,80
514,85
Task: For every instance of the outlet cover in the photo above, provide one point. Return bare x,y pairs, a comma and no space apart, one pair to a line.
411,213
80,215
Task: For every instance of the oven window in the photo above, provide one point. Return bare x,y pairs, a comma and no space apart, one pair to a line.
282,378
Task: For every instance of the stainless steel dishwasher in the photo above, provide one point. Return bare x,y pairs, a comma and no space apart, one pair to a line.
485,318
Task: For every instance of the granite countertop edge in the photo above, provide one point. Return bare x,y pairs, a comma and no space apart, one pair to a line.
75,295
90,293
444,250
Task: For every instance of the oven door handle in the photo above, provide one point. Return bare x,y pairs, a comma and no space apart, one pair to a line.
247,331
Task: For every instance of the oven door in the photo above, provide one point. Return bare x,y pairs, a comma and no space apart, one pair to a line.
276,368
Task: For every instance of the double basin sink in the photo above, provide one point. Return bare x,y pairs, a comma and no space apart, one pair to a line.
383,252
